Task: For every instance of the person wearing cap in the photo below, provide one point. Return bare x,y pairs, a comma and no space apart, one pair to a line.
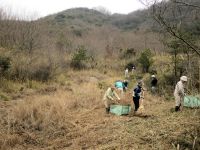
154,82
110,98
138,93
179,93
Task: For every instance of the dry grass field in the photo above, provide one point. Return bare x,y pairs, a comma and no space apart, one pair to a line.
73,117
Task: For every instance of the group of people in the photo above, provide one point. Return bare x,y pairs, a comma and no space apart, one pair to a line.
111,95
138,93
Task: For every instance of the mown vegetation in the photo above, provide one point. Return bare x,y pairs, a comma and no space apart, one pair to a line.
60,66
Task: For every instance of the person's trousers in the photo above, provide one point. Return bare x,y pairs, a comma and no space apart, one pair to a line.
179,102
136,102
107,104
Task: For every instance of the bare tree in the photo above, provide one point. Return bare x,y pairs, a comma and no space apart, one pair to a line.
178,10
180,18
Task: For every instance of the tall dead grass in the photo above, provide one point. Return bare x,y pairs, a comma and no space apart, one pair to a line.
49,115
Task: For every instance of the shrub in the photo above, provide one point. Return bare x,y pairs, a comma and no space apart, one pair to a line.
4,64
146,60
79,58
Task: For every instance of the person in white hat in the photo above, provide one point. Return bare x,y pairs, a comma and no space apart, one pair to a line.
154,82
179,93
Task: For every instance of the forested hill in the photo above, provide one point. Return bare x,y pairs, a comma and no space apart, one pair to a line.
87,18
141,19
68,29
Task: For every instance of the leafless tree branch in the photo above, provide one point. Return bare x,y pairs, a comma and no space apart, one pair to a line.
186,4
158,11
169,29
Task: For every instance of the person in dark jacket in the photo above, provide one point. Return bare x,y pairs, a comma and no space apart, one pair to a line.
125,82
138,94
154,82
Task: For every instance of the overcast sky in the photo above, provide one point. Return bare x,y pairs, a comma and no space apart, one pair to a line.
46,7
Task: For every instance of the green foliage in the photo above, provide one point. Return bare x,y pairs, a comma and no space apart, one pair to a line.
79,58
4,64
4,97
146,60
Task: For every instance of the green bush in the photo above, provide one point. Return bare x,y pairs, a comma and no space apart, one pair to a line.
146,60
4,64
79,58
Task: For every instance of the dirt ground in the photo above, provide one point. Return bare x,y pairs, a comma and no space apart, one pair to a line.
160,128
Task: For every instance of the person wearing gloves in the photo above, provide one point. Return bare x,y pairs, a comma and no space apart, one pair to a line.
179,93
109,98
138,93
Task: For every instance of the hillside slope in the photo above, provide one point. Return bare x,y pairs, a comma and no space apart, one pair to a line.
73,117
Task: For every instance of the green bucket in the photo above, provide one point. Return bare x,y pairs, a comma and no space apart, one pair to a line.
191,101
120,109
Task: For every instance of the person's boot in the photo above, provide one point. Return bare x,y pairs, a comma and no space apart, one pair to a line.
107,110
177,108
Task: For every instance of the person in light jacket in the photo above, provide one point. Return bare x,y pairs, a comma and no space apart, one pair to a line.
179,93
126,73
110,98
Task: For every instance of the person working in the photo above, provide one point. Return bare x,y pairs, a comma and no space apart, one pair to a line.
109,98
121,87
133,69
138,93
179,93
125,82
126,73
154,82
